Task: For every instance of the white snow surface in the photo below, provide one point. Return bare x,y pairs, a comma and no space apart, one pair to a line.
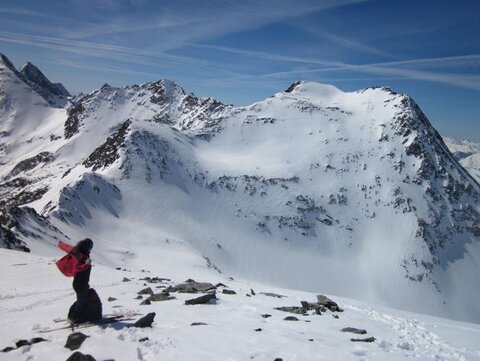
309,190
34,294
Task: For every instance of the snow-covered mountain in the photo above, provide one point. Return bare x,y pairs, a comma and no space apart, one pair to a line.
352,193
467,153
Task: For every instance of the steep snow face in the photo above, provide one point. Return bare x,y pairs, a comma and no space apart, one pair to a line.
352,193
467,153
30,130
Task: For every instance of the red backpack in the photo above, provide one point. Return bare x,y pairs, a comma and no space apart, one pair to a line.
69,265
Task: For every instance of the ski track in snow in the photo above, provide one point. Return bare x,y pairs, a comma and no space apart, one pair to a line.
415,339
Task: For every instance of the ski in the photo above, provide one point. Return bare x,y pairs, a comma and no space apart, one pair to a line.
103,321
109,315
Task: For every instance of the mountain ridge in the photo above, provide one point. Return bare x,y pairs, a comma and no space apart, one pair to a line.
312,176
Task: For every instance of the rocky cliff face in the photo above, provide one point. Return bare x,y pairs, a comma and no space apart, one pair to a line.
355,193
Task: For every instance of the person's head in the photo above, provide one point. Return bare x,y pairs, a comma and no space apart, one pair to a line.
85,245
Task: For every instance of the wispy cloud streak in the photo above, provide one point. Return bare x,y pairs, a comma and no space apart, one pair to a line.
396,68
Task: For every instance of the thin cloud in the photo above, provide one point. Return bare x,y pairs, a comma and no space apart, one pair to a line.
22,11
341,41
196,21
99,50
386,68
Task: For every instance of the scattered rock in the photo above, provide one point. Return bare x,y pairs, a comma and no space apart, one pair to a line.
266,315
111,299
290,318
139,297
190,286
146,291
75,340
278,359
143,339
8,349
258,330
311,339
270,294
368,339
125,279
37,340
22,343
358,331
229,292
118,268
78,356
145,321
145,302
328,303
155,279
220,285
163,296
307,306
198,324
335,316
292,309
252,292
208,298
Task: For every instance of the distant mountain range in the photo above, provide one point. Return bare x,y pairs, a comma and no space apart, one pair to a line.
467,153
355,193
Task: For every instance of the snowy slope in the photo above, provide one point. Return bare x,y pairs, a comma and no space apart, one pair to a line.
234,328
314,188
467,153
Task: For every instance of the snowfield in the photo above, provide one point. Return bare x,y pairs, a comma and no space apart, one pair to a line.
311,191
34,293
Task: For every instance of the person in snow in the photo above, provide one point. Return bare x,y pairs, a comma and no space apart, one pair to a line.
78,265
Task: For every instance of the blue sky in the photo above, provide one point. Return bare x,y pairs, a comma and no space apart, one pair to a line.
241,52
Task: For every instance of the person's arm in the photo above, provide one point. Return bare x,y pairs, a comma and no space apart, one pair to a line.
64,246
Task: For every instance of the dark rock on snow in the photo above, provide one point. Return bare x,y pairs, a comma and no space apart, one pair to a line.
163,296
75,340
208,298
146,291
290,318
78,356
229,292
292,309
145,321
368,339
198,324
190,286
354,330
328,303
22,343
270,294
37,340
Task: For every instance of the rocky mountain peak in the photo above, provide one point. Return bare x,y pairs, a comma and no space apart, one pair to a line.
5,61
32,72
54,94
